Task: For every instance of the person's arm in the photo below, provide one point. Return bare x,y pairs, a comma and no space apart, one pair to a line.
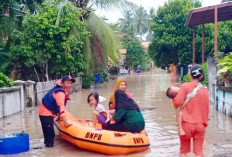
107,115
112,112
112,102
129,95
119,115
60,99
178,118
180,129
181,96
111,105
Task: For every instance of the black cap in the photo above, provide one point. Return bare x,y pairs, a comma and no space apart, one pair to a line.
67,78
196,71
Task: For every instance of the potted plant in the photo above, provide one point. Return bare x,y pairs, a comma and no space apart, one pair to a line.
225,73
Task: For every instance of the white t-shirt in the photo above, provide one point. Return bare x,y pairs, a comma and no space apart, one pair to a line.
100,108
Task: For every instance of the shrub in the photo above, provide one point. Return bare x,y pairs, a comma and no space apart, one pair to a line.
225,73
204,67
87,81
5,81
186,78
104,76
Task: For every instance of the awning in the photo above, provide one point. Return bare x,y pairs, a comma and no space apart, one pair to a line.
204,15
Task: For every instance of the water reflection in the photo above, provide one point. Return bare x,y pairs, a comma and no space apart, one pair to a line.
148,90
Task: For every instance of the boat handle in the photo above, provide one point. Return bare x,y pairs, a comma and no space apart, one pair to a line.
119,134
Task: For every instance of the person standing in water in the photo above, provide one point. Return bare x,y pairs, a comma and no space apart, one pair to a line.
195,113
53,104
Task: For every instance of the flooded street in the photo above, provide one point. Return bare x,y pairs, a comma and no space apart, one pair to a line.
148,91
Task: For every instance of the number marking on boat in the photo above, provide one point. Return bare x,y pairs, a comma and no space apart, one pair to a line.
138,140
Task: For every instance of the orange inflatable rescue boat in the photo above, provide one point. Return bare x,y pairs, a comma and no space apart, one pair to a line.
83,135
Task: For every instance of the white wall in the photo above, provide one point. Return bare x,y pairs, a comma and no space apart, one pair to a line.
11,100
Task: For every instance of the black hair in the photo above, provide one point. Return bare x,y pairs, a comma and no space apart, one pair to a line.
196,71
95,95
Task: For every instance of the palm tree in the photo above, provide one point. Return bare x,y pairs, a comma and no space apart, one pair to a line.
103,42
126,24
150,33
141,21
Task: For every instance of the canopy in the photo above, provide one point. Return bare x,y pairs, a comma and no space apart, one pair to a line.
204,15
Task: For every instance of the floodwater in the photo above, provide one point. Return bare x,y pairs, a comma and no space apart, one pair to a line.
148,91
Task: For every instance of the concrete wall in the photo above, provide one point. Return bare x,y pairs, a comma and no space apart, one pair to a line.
212,72
42,88
223,100
220,96
14,99
11,100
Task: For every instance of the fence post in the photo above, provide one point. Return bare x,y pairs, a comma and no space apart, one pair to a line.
30,93
22,94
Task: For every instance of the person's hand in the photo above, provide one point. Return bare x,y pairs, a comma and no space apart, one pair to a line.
112,106
107,120
67,124
57,118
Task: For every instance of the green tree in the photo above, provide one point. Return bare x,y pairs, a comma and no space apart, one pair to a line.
51,44
11,16
126,24
97,48
141,22
225,36
9,6
103,42
135,54
135,23
150,32
5,81
172,39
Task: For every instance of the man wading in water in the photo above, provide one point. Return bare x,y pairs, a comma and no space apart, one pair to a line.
53,104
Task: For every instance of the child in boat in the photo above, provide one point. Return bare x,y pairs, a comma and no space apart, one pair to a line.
100,114
171,93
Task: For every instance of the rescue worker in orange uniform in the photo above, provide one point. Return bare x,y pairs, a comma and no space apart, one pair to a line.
53,104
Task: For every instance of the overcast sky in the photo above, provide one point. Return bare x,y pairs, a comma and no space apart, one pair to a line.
113,16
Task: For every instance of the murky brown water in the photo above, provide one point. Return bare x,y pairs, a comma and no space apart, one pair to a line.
148,90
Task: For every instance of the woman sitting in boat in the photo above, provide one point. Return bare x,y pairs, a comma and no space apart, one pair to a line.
127,115
120,84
